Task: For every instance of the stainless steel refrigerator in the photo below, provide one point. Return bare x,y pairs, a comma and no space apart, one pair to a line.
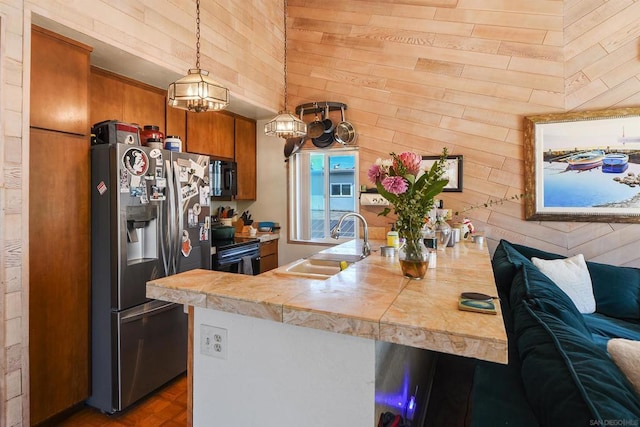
150,219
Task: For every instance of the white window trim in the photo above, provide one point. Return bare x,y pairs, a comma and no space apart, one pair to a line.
298,180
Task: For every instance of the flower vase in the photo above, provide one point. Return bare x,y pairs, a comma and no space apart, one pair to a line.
414,258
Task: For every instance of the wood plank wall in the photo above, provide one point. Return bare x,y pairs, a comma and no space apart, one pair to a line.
462,74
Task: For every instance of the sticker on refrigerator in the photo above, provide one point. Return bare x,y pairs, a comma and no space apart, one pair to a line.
136,191
159,171
188,191
197,169
124,181
157,193
156,154
186,243
135,181
204,195
183,173
161,182
102,188
192,220
135,160
204,233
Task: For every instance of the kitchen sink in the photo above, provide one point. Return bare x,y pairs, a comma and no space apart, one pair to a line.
319,266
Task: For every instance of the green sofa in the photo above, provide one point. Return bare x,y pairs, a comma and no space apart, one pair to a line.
559,371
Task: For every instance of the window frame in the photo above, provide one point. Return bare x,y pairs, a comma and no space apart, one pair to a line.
296,164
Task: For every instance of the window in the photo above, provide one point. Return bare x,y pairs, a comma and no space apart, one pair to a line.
321,187
341,190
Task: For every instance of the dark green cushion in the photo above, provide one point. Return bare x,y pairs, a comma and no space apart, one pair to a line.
569,381
616,289
505,263
535,287
603,328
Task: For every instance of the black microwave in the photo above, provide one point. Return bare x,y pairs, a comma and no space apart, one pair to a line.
223,176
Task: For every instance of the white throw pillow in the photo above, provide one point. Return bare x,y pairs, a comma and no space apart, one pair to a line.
626,355
572,276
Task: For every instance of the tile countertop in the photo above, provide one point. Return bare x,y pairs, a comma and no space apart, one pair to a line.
369,299
263,237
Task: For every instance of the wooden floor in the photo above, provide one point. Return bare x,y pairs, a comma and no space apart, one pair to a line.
167,408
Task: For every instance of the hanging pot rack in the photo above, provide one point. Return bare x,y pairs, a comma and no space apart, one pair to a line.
319,107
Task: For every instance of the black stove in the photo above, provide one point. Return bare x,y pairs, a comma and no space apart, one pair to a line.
236,256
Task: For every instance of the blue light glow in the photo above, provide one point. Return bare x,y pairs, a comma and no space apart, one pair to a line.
400,398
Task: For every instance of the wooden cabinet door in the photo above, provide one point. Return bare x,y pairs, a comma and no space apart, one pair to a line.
143,105
223,134
199,128
245,147
268,255
107,97
59,83
176,120
59,272
211,133
114,97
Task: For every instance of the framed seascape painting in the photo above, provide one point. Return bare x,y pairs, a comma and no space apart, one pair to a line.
453,170
583,166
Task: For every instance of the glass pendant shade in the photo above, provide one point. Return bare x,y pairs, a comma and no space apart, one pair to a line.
197,92
285,125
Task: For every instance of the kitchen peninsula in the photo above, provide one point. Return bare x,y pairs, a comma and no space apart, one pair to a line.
297,349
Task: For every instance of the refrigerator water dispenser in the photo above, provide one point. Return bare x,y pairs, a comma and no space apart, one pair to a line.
142,232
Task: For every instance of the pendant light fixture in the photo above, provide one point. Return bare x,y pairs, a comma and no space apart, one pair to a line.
197,92
285,125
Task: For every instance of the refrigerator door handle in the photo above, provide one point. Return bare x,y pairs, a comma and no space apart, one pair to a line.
151,311
177,222
164,238
171,223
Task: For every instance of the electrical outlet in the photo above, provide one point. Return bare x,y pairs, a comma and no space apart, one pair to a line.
213,341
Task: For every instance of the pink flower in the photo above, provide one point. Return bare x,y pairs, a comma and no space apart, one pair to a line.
375,173
395,184
411,162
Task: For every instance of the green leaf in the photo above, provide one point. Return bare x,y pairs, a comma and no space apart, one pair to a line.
385,212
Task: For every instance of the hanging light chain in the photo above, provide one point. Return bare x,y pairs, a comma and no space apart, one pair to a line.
198,34
285,55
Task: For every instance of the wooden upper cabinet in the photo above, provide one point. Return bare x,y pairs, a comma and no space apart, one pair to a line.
144,106
114,97
211,133
59,83
107,95
176,120
246,158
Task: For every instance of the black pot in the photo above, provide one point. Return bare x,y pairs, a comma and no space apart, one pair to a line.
223,232
323,141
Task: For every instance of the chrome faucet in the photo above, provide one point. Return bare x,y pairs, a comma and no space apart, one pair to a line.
335,232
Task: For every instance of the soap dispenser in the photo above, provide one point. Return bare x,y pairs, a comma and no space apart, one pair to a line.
393,239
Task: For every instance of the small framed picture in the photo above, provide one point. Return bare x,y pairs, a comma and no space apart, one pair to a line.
453,171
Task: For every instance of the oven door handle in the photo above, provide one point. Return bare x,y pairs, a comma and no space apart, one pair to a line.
235,260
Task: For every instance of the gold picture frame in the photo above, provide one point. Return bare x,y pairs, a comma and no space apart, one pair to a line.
578,166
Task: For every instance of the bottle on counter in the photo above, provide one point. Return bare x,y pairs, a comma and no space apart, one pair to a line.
393,238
